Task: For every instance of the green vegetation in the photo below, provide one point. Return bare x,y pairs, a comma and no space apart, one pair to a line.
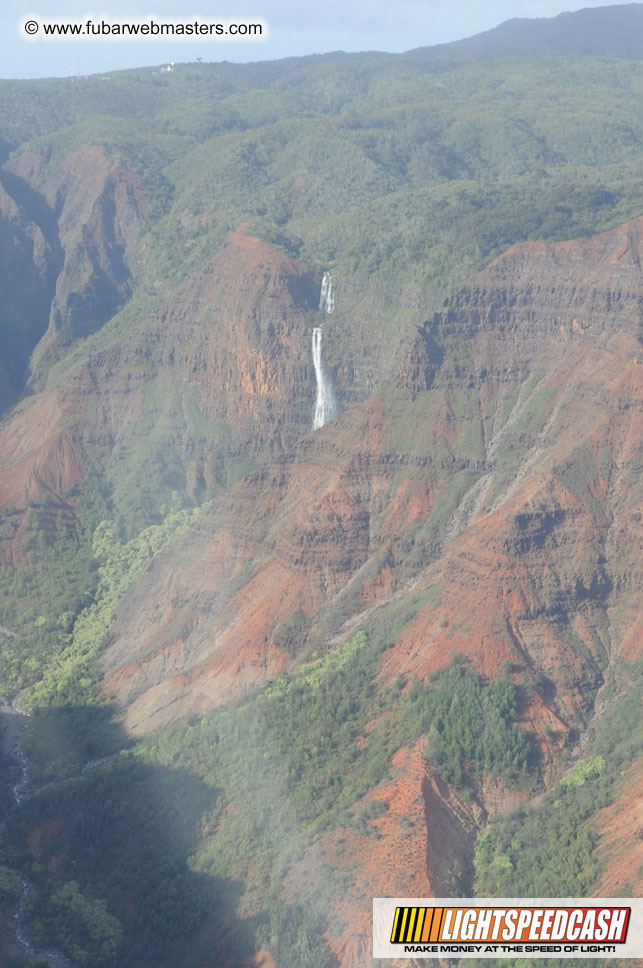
61,601
71,680
471,726
583,771
297,759
54,579
419,166
532,416
549,850
129,829
294,751
81,927
9,887
60,740
294,938
313,731
242,796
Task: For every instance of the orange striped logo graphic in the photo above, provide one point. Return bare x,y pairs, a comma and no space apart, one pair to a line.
417,925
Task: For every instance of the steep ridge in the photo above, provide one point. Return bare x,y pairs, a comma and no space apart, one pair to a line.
95,211
31,260
418,847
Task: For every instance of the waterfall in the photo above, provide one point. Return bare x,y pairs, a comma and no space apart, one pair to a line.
325,407
327,295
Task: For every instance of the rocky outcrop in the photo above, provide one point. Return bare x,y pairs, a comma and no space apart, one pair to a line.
100,210
236,338
81,226
418,842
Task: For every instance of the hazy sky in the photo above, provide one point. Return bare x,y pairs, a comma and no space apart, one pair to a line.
296,27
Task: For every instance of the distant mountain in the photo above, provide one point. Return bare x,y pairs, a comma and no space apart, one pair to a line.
594,31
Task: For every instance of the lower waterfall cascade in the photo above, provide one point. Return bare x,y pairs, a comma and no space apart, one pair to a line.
325,405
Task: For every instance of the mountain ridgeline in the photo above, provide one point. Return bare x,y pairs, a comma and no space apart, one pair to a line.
310,603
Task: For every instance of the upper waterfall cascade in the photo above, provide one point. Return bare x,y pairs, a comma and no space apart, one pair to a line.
327,294
325,405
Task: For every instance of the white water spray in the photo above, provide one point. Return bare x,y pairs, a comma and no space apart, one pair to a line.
327,294
325,406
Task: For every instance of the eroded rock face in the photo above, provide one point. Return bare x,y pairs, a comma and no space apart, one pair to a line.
621,827
30,261
101,211
70,244
235,338
526,433
223,367
419,845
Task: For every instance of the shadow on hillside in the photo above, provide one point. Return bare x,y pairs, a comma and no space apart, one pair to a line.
62,741
122,829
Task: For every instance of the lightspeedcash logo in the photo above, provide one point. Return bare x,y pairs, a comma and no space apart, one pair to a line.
502,927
